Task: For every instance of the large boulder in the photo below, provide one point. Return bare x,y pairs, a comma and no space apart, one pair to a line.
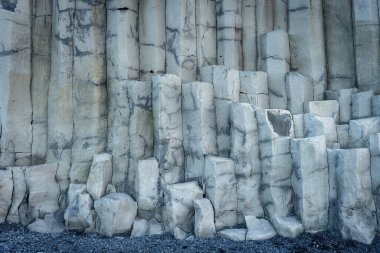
100,175
204,226
258,229
115,213
80,213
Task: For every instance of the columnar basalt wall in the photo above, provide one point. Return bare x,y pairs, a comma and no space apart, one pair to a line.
234,118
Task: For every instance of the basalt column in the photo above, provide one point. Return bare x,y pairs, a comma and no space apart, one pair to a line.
89,89
15,71
249,35
122,65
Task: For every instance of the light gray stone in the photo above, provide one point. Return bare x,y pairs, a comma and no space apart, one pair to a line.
361,130
140,227
326,108
344,98
254,88
298,126
357,212
310,181
339,44
233,234
100,175
181,49
316,125
343,132
258,229
332,157
362,105
274,123
299,91
248,13
155,228
179,234
204,226
220,186
18,194
179,209
146,187
223,126
115,214
375,173
365,19
264,24
275,58
80,213
376,106
6,190
47,225
307,42
74,190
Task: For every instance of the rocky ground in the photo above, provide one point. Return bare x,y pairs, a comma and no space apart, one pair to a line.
15,238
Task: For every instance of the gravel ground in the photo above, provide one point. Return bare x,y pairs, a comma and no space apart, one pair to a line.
15,238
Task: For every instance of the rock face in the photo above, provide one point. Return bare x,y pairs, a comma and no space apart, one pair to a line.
243,117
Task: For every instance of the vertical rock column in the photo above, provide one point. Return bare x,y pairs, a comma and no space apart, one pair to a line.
264,24
245,154
275,60
310,181
199,126
167,122
307,42
89,89
205,20
229,33
339,44
367,39
60,103
122,65
280,15
15,93
275,131
249,35
254,88
152,38
375,172
181,46
41,41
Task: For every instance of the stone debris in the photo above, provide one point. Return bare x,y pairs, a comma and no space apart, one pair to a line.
258,228
100,176
204,226
233,234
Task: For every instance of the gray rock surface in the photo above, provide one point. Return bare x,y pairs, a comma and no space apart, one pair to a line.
204,226
6,190
100,175
233,234
258,229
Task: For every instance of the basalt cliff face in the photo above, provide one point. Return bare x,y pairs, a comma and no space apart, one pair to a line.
238,118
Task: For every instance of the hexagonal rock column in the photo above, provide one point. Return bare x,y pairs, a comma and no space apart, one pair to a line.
339,43
152,38
357,212
115,214
100,175
307,42
361,130
89,87
18,195
220,186
245,154
299,91
264,24
275,59
229,33
344,98
181,49
249,34
6,191
179,210
254,88
310,181
15,93
275,131
375,172
167,121
365,18
204,226
198,113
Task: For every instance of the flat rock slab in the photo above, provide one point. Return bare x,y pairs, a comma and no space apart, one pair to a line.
259,229
233,234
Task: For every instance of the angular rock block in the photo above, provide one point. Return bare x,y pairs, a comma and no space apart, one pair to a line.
220,186
152,38
298,126
332,157
280,15
375,172
307,42
365,17
18,194
146,187
140,126
204,226
80,213
376,105
199,124
229,33
254,88
339,44
179,209
205,22
181,50
275,58
155,228
225,80
310,182
357,212
258,229
274,123
326,108
344,98
248,13
316,125
361,130
223,126
115,214
245,154
362,105
299,91
47,225
343,132
100,175
233,234
140,227
264,24
6,190
43,189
